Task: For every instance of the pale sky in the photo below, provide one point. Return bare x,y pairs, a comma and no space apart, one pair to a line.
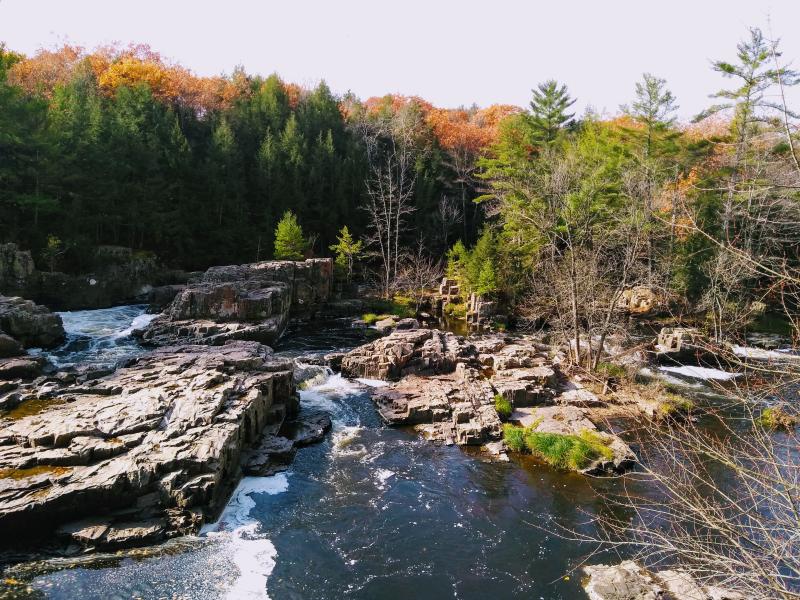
449,52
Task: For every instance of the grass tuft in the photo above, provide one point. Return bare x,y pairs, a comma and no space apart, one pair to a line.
503,407
562,451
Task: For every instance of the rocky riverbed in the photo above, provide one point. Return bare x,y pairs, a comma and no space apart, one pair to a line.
147,447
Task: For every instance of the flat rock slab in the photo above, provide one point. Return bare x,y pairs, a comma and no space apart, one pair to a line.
159,439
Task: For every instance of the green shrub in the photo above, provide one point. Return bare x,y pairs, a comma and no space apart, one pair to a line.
455,311
776,418
503,407
561,451
607,369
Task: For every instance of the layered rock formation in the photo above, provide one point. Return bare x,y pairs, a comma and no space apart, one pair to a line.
446,387
144,453
244,302
115,275
30,324
408,352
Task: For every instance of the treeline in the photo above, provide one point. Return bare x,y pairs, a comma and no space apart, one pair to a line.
557,216
119,147
703,216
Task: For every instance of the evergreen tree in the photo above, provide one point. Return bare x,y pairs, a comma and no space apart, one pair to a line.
289,241
549,110
347,251
654,108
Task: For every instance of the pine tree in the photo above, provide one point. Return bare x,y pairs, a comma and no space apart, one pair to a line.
347,251
549,110
654,107
290,244
487,279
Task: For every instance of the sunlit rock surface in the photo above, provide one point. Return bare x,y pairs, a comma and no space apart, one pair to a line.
147,452
243,302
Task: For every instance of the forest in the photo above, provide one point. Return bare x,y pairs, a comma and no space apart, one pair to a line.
554,214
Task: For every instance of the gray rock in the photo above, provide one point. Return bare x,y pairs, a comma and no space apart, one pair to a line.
20,367
626,581
30,324
417,351
308,428
630,581
9,346
242,302
159,439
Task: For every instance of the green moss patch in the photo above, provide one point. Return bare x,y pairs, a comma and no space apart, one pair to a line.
777,418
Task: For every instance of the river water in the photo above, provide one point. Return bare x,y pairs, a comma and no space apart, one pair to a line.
371,512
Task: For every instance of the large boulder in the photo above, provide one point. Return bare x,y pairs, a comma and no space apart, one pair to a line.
309,281
150,450
455,409
408,351
638,300
32,325
243,302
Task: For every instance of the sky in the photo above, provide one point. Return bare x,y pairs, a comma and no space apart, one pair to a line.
451,53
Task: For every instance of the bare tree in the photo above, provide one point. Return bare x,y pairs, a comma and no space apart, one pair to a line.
449,215
723,506
419,274
392,150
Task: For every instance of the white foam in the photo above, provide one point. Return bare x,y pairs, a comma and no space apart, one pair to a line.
372,382
382,476
344,441
252,553
139,322
762,354
700,372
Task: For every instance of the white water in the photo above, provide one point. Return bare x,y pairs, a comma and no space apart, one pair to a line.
251,552
700,372
99,337
762,354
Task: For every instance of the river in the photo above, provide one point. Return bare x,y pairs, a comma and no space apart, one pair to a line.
371,512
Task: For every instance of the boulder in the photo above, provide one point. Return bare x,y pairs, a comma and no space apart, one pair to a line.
21,367
32,325
638,300
630,581
161,439
626,581
455,409
242,302
161,296
405,352
9,346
